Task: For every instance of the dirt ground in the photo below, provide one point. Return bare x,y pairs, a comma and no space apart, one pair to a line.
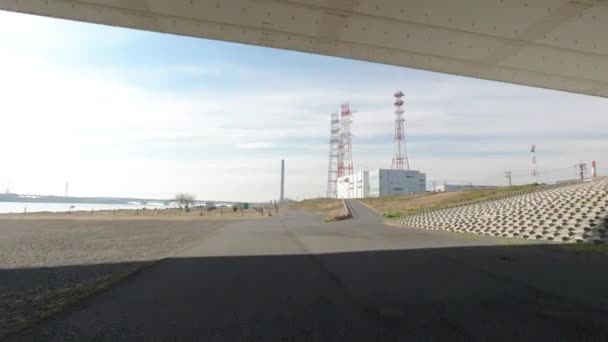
58,248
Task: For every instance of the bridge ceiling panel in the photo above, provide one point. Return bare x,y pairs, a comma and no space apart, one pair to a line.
555,44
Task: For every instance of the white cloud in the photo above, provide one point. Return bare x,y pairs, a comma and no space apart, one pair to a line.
78,123
261,145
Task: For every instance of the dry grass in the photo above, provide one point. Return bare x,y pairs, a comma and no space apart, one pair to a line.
333,209
395,206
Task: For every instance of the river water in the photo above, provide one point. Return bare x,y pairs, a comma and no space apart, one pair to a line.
20,207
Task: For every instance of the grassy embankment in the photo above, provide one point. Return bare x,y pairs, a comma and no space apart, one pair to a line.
586,248
397,206
333,209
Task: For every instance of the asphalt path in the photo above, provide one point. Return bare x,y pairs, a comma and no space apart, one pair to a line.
295,278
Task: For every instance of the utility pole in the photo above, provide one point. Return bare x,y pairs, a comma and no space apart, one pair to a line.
282,197
582,169
508,176
434,186
534,168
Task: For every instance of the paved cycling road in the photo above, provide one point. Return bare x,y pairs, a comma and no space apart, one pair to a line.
295,278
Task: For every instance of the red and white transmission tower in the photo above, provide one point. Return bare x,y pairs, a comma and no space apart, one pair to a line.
534,169
332,170
593,169
400,161
345,146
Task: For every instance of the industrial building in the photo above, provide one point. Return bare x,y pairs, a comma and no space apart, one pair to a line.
343,182
381,182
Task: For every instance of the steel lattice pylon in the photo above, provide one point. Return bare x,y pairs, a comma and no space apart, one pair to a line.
345,146
400,161
332,170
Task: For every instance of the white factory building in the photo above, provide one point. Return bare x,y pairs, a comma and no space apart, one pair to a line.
381,182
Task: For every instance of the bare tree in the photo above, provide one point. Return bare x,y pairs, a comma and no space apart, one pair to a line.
184,200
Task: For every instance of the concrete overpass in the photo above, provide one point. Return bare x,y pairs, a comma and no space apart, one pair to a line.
554,44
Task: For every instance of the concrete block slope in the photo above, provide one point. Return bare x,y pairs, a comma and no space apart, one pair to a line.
570,212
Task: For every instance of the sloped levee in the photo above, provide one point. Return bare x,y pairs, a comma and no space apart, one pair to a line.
571,212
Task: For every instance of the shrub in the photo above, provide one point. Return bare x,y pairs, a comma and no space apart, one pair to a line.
392,214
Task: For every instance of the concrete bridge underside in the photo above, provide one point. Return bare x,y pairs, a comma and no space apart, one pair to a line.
554,44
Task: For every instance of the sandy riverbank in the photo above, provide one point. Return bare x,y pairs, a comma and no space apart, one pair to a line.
145,214
47,263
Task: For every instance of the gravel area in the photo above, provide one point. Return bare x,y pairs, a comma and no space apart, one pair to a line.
48,264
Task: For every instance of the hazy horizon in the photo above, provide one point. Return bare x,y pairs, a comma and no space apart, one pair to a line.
125,113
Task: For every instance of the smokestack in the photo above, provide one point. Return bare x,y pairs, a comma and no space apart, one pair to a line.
593,169
282,199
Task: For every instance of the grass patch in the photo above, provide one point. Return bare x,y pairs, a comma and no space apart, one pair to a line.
403,205
392,214
586,248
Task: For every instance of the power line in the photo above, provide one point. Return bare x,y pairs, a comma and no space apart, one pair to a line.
542,171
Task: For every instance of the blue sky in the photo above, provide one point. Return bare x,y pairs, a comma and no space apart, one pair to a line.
120,112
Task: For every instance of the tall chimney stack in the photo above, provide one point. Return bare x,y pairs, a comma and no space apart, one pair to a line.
282,199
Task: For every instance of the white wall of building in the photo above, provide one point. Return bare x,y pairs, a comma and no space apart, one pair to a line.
355,186
345,187
362,184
